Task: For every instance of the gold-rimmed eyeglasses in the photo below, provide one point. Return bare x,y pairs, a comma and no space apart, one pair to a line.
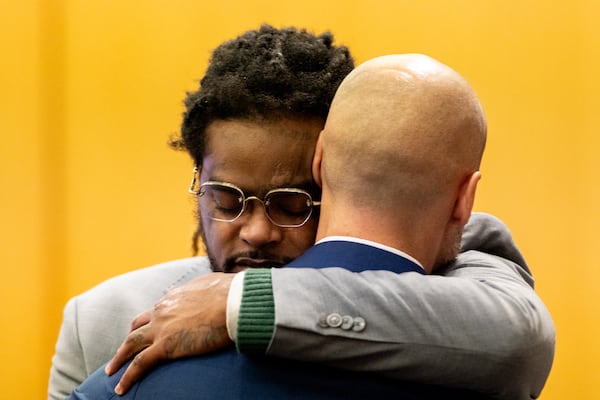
225,202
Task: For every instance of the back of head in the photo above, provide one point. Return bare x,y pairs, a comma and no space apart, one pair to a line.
402,132
267,73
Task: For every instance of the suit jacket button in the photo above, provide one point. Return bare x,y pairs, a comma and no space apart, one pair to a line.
347,322
334,320
323,321
359,324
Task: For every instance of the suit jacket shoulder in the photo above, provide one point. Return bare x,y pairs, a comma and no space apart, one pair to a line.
480,315
97,321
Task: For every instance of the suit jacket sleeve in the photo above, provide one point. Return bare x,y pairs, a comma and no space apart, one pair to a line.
477,325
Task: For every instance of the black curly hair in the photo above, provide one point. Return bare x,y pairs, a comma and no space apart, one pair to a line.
264,74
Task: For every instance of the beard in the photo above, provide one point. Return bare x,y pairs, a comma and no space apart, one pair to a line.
249,259
450,248
238,261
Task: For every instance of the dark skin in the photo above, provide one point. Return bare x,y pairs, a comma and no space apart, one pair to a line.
176,327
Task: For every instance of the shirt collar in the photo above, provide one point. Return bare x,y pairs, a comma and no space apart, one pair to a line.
372,244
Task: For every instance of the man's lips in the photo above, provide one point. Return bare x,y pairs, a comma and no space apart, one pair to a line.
246,262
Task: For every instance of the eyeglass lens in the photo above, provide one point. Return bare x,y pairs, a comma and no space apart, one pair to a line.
224,203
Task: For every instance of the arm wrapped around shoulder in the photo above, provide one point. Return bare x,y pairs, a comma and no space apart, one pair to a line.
488,234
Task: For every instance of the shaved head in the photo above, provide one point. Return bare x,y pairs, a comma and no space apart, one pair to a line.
406,125
400,154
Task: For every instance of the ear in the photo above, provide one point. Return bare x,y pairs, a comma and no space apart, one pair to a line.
317,160
466,198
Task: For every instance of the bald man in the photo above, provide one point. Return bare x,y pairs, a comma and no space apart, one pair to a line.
399,157
398,161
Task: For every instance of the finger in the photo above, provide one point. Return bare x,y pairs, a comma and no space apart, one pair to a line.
141,363
140,320
135,342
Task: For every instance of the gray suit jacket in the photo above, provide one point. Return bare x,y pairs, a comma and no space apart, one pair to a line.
96,322
480,325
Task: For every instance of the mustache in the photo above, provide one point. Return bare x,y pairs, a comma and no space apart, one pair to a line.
267,260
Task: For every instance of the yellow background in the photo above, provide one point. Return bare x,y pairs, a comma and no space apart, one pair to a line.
90,91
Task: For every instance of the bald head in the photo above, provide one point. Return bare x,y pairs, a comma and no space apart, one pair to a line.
402,130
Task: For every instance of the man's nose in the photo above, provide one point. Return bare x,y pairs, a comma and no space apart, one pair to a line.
257,229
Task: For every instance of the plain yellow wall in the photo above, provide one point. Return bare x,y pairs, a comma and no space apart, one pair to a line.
90,91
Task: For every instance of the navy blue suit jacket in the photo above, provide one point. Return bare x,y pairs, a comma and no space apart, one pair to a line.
230,375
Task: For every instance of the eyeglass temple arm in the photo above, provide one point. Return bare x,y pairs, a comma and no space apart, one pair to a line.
192,189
